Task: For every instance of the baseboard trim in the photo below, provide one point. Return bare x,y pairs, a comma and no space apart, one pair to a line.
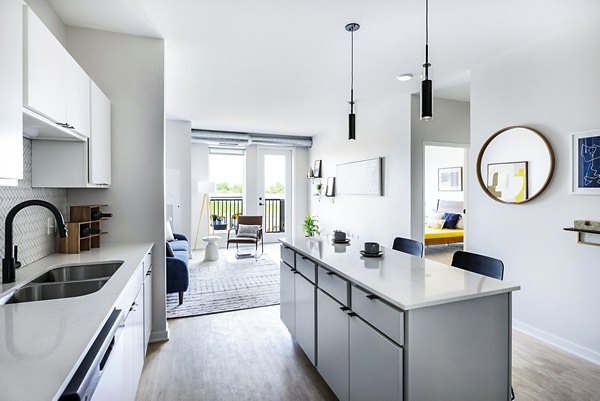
159,336
565,345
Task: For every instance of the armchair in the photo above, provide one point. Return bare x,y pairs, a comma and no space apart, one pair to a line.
244,238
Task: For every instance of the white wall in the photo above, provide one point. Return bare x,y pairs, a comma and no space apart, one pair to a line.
383,130
551,85
178,178
450,124
199,172
300,193
437,157
130,70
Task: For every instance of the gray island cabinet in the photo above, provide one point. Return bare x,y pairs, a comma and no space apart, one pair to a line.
397,327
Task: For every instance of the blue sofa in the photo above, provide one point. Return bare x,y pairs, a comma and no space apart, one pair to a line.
178,277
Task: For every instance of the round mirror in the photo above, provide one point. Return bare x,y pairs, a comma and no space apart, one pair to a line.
515,165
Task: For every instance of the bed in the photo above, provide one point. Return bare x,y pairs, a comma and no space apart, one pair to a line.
445,236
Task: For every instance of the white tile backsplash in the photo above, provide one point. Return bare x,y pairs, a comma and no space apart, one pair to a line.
31,224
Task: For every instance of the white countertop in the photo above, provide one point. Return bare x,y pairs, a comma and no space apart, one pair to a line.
406,281
43,342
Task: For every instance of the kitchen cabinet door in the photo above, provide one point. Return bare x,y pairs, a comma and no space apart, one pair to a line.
139,349
305,316
287,297
147,309
11,90
100,138
375,365
332,345
47,68
78,97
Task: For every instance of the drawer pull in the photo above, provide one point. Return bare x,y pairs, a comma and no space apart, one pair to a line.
352,314
344,308
304,258
330,273
372,297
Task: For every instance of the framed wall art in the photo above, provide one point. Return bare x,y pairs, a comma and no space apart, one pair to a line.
450,179
585,163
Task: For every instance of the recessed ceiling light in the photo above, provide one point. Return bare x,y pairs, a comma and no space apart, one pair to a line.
404,77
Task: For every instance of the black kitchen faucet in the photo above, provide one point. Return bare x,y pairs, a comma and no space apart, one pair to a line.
10,263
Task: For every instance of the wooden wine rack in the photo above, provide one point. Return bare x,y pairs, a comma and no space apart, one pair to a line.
81,216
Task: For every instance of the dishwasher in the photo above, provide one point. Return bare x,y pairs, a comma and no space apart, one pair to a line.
88,374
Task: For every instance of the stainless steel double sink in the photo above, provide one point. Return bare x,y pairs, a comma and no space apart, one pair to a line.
65,282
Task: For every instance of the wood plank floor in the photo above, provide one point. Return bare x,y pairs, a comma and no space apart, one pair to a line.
249,355
243,355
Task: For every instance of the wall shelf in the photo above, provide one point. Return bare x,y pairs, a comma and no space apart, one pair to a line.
580,232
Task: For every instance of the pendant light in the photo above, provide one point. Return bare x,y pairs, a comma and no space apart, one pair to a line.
351,27
426,84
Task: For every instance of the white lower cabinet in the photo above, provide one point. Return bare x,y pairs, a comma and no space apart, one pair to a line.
147,308
286,302
375,364
332,344
123,369
304,314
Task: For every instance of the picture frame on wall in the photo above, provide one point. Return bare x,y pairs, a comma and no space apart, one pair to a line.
585,163
317,169
450,179
330,189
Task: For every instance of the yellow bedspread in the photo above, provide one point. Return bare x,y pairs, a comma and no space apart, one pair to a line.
431,233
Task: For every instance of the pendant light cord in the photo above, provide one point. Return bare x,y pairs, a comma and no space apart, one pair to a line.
426,65
352,73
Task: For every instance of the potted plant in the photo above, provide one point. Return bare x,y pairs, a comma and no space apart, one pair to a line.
319,186
310,226
234,218
215,219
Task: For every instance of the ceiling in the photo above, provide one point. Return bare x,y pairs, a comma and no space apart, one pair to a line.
273,66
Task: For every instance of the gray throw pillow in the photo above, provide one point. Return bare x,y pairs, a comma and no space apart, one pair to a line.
246,230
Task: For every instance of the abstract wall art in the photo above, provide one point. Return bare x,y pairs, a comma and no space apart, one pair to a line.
585,157
508,181
450,179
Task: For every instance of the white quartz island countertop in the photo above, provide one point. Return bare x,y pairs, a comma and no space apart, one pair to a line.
407,281
43,342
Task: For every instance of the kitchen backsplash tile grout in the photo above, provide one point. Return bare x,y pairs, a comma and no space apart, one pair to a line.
31,224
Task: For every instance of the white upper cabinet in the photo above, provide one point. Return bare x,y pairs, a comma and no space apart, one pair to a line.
78,98
11,91
99,143
45,80
55,86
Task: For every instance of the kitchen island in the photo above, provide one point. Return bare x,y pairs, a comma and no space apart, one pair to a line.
398,327
44,342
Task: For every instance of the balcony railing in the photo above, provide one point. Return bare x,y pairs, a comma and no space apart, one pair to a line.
274,219
225,207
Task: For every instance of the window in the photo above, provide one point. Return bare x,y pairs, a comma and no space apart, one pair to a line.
226,169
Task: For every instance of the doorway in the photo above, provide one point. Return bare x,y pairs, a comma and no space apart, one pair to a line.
274,190
444,189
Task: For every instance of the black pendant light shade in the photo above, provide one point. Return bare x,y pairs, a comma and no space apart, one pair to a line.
351,126
426,84
351,27
426,99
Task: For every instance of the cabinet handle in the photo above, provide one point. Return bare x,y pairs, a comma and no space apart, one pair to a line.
304,258
330,273
352,314
372,297
344,308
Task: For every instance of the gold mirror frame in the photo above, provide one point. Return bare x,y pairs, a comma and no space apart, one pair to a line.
485,146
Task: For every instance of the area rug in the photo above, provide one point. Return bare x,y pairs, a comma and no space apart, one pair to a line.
226,284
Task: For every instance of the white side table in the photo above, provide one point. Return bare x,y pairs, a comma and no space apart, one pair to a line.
211,251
